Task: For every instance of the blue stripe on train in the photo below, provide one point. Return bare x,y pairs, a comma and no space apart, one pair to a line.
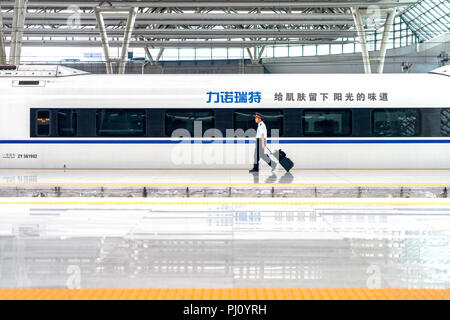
281,141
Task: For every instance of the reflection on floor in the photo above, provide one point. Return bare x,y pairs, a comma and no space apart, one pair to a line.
224,176
224,246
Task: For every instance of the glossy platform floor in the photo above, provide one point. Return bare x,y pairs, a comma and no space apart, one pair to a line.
226,183
229,177
216,243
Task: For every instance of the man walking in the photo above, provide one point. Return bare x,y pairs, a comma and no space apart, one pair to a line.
261,135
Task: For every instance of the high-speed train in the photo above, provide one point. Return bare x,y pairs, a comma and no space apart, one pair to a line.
58,117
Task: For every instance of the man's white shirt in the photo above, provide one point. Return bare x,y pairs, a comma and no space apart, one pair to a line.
261,130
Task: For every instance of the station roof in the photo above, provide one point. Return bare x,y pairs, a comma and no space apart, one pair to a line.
428,19
184,23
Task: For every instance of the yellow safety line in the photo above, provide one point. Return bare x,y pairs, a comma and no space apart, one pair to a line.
398,203
226,294
229,184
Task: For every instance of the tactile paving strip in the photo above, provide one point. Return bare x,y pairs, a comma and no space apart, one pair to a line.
226,294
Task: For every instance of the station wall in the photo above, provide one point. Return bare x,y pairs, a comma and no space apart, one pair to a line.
422,56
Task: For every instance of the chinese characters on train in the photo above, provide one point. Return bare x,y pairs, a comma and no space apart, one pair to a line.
233,97
335,96
255,96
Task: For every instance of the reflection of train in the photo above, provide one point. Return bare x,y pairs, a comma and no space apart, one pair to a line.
55,117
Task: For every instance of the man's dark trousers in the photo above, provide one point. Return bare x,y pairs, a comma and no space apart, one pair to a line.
259,153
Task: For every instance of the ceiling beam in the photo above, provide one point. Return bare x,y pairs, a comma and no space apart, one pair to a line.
191,18
172,44
219,4
182,19
188,33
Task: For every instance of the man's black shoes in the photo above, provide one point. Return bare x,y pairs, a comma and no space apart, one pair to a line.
253,170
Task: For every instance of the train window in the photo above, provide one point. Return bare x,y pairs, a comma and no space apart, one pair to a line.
445,122
43,123
395,122
327,123
67,122
121,122
245,119
187,119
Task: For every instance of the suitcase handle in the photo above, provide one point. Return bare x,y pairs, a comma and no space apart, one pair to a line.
269,150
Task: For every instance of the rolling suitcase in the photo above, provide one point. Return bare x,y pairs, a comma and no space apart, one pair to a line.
284,161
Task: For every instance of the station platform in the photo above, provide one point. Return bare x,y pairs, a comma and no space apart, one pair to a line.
151,248
226,183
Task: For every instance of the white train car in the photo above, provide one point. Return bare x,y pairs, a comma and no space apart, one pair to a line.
56,117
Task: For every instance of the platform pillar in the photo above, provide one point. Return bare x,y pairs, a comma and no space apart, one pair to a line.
132,12
126,39
2,41
362,39
387,29
20,9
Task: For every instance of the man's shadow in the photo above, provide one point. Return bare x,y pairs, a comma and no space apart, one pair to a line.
286,178
271,179
255,177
